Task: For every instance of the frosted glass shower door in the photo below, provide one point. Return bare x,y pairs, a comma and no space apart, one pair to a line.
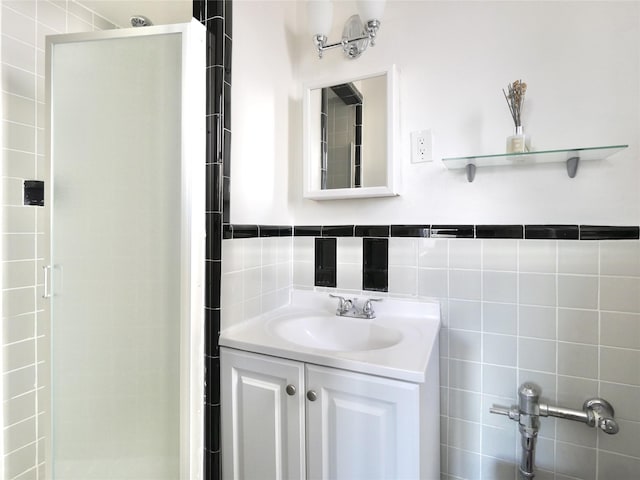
127,227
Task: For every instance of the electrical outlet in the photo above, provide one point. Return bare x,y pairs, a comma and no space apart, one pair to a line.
421,146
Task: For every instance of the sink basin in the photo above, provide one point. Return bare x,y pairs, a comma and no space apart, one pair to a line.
327,332
401,342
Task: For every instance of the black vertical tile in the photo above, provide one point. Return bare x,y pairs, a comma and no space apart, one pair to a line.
212,284
358,114
216,15
375,264
212,427
214,187
215,8
227,106
213,245
215,139
325,262
215,89
228,18
212,380
215,51
227,60
212,465
212,336
226,154
211,47
199,10
226,199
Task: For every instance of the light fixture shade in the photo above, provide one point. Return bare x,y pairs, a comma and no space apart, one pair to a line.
370,9
320,16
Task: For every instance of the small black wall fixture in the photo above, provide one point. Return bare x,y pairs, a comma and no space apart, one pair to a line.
34,192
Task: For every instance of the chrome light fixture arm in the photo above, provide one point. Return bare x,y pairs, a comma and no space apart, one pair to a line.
356,37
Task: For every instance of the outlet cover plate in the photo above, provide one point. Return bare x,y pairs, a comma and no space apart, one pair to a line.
421,146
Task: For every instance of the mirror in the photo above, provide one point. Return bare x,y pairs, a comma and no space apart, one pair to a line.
350,126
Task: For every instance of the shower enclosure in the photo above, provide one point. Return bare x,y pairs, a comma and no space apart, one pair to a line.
124,274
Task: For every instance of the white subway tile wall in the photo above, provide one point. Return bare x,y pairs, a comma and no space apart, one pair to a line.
24,25
562,314
257,275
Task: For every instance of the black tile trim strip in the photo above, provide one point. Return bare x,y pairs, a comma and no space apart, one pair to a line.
275,230
380,231
555,232
597,232
529,232
338,231
452,231
307,231
421,231
244,231
499,231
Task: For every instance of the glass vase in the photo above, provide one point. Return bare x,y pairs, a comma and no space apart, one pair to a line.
518,142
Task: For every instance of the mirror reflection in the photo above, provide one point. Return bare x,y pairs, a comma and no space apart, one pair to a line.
350,137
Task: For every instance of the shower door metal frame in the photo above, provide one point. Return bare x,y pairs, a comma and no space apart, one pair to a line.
192,281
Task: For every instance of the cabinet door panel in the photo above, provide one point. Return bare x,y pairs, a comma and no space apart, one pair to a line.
361,427
262,426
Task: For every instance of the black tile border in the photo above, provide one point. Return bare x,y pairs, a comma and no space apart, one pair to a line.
499,231
379,231
452,231
598,232
525,232
275,230
338,231
307,231
420,231
554,232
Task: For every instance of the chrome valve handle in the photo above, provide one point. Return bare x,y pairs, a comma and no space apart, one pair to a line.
344,305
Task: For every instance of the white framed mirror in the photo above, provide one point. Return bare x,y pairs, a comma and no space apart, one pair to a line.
350,137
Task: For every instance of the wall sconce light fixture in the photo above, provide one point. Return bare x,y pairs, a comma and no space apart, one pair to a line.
356,35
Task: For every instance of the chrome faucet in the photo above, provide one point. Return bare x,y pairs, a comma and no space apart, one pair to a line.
351,308
596,412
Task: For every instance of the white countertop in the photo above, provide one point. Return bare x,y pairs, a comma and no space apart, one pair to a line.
418,323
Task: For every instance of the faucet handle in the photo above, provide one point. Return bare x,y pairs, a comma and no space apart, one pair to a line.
367,309
344,305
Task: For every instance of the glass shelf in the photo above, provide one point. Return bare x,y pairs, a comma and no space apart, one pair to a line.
572,157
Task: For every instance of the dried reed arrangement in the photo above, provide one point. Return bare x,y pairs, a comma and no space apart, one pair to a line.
515,100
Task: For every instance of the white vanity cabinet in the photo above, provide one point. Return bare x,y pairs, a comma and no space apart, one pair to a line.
284,419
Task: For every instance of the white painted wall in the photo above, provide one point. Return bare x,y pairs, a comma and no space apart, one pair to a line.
580,60
266,111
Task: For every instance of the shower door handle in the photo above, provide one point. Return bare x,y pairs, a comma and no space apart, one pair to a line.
47,291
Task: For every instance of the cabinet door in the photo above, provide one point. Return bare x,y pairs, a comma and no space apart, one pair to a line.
361,427
262,424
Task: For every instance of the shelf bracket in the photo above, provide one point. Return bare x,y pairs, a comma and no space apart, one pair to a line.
572,166
471,172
